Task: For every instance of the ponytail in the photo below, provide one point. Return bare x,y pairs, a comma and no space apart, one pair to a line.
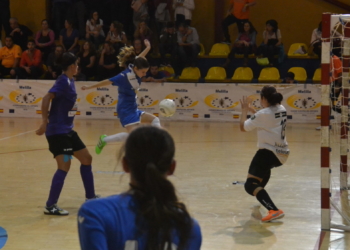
126,56
271,95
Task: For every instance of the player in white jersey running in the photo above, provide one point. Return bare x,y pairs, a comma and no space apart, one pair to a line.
273,147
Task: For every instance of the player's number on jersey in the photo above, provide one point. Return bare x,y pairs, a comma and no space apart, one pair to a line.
283,131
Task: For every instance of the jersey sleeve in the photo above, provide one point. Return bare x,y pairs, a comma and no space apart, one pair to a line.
91,230
59,88
118,80
195,240
255,121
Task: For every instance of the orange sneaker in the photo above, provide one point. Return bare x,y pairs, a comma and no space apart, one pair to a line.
273,215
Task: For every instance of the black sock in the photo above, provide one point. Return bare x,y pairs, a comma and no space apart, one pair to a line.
265,200
266,179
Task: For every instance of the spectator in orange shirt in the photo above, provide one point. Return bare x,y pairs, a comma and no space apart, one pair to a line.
31,62
10,56
238,13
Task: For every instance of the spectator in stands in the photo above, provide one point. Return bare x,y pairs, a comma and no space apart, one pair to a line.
272,41
238,13
54,63
168,44
183,11
20,33
69,38
162,14
245,43
189,45
143,32
60,13
289,78
45,40
108,62
154,75
116,36
316,41
94,30
10,56
140,11
87,59
31,63
138,47
5,17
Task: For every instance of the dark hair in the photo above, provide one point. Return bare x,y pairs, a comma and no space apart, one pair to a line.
170,25
8,36
45,20
92,49
153,63
31,41
251,30
271,95
118,26
319,28
141,63
149,153
184,25
70,22
290,75
68,59
274,24
92,16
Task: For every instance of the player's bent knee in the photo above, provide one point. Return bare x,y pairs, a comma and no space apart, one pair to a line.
251,185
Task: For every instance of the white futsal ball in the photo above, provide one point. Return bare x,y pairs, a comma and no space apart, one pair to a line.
167,107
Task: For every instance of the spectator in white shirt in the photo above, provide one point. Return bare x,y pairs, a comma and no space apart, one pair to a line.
94,30
189,45
183,11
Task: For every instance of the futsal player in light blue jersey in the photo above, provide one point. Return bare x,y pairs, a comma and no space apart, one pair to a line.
128,82
149,215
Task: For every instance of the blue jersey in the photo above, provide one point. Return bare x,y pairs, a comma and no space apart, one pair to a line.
109,224
63,106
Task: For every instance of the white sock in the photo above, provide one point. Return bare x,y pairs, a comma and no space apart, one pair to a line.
116,138
156,122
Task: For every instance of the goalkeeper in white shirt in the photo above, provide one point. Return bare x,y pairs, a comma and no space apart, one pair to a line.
270,123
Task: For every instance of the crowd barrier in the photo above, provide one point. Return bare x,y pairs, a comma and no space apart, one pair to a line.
195,102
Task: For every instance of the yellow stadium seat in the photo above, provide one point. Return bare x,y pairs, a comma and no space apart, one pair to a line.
317,75
220,49
270,74
190,73
202,52
243,74
300,74
169,71
297,47
45,69
216,74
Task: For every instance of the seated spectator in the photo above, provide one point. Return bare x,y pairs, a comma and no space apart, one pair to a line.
143,32
31,63
87,59
162,15
272,44
154,75
289,78
245,43
69,38
140,11
116,36
20,33
54,63
94,30
80,76
108,62
138,47
10,56
189,45
45,40
316,41
168,44
148,215
183,11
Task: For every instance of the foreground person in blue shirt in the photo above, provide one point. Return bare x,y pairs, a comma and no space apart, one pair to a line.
128,83
63,140
147,216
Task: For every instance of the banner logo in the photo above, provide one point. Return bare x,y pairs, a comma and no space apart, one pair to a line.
146,101
182,102
99,99
20,97
302,102
217,102
255,101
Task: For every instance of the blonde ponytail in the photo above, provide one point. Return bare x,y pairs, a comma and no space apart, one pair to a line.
126,56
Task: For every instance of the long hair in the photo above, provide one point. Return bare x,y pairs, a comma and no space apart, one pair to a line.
92,49
274,24
271,95
251,29
148,31
119,27
92,16
149,153
126,56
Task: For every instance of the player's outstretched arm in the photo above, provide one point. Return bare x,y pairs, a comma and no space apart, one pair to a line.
97,85
45,113
146,50
245,107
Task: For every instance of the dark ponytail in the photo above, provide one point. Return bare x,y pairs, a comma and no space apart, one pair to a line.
149,153
271,95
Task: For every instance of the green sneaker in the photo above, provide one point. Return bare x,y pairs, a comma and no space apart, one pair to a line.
100,145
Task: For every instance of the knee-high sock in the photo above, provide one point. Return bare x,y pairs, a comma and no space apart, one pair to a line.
266,179
156,122
88,181
56,187
263,197
120,137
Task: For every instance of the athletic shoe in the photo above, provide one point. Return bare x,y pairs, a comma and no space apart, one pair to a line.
55,210
100,145
273,215
97,196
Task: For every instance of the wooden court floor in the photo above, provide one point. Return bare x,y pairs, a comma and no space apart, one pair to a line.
210,156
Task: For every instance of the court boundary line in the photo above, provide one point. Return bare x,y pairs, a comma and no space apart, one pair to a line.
9,137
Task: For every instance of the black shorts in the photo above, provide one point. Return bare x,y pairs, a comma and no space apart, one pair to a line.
262,162
65,144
